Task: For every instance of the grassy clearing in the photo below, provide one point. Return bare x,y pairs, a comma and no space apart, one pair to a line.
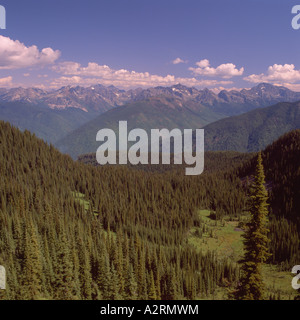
225,238
80,197
278,283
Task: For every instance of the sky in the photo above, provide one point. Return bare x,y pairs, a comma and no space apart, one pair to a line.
141,43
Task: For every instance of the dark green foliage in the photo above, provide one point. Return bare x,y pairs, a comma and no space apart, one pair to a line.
255,239
282,170
129,243
125,238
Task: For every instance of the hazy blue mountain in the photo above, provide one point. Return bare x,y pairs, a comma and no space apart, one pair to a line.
47,124
253,130
53,114
152,113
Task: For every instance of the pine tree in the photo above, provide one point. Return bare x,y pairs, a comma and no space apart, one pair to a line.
255,240
114,286
152,289
32,269
172,283
130,285
64,282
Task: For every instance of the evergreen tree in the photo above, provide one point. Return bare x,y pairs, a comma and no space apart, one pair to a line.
255,239
152,289
130,285
32,269
61,228
64,281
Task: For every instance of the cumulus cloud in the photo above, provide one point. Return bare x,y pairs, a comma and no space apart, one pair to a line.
6,82
15,55
74,73
226,70
203,63
278,73
291,86
178,60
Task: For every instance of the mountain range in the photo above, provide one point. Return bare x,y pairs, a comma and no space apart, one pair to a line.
57,115
98,98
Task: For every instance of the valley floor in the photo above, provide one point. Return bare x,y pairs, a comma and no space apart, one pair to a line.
225,239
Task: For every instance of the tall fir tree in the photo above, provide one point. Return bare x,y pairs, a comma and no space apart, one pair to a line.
64,281
32,269
255,239
152,289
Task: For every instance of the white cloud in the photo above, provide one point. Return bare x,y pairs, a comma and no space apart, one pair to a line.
291,86
6,82
74,73
226,70
178,60
278,73
15,55
203,63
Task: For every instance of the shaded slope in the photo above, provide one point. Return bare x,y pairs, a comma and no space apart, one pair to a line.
253,130
152,113
46,123
58,246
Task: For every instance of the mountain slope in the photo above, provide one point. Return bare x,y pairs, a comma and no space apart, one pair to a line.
74,106
282,169
60,218
281,161
264,94
152,113
67,234
47,124
253,130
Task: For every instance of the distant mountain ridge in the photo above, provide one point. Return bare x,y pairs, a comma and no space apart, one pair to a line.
99,99
49,125
151,113
52,115
249,132
254,130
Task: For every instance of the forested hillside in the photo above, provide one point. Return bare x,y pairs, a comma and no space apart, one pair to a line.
68,230
74,231
49,125
281,161
254,130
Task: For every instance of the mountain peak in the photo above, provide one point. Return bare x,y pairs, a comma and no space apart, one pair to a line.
99,98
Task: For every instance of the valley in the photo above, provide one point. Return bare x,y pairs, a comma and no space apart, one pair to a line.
146,231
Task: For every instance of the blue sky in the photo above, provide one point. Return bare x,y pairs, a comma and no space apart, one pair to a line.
135,43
